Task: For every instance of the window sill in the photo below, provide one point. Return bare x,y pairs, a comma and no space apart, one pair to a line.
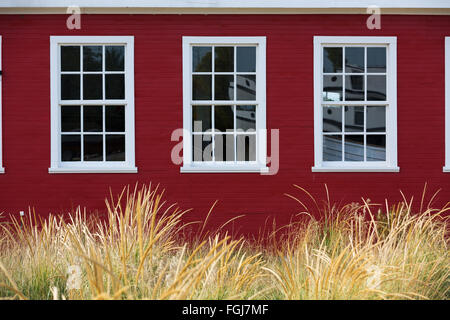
93,170
2,170
355,169
224,169
446,169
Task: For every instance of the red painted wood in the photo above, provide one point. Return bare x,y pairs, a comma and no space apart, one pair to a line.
158,95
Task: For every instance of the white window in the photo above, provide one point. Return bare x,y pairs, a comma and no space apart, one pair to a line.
92,104
224,104
447,105
355,104
2,170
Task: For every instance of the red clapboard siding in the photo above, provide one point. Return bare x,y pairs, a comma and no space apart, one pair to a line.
158,109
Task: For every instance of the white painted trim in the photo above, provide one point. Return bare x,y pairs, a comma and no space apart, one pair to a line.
390,165
447,104
57,166
261,155
2,170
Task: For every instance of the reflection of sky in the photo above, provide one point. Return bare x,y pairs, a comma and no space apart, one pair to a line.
331,96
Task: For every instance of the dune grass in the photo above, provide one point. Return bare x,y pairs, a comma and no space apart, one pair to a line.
142,251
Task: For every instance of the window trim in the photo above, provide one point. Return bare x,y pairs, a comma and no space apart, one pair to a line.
2,169
58,166
260,165
390,165
446,167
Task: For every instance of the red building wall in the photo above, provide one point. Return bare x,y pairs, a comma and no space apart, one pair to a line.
158,109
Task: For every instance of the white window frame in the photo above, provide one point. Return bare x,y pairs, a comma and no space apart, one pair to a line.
58,166
390,165
260,164
446,167
2,170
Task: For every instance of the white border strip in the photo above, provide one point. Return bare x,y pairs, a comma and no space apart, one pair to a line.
2,170
447,104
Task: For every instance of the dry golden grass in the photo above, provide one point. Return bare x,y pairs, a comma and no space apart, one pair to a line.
356,251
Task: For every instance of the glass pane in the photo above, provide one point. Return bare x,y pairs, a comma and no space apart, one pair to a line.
92,119
93,147
246,59
201,88
115,58
354,119
224,87
70,58
246,87
201,118
354,148
354,60
376,119
70,147
115,86
376,148
246,118
332,88
224,59
201,59
70,87
70,119
92,86
332,60
223,118
332,148
92,58
332,119
115,118
201,147
376,88
354,88
376,59
224,147
246,147
115,147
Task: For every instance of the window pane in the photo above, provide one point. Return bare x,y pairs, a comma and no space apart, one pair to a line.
332,148
70,147
201,59
115,147
70,58
92,58
224,147
115,86
70,119
70,87
376,119
201,147
246,87
92,86
332,88
246,118
224,87
115,118
201,88
332,60
354,88
201,118
246,147
376,59
223,118
354,119
354,148
224,59
376,88
93,147
332,119
376,148
92,119
114,58
354,60
246,59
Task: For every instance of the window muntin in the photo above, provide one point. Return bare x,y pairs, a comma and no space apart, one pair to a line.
355,114
225,105
93,105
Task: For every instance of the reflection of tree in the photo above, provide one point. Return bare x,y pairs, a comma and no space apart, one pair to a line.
224,59
204,65
92,58
223,118
114,58
334,55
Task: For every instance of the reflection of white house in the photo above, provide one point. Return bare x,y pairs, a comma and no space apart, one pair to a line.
246,87
332,151
245,119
